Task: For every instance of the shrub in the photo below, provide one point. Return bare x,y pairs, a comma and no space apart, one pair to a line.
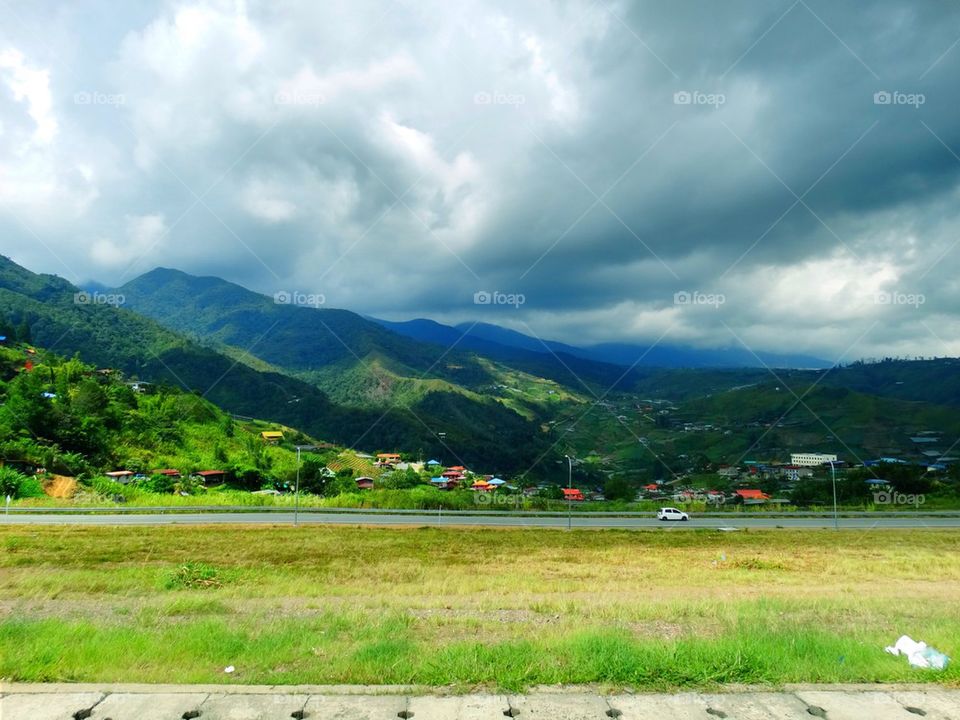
18,485
193,576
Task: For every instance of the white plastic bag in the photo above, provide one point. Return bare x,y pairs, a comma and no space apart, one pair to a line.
919,654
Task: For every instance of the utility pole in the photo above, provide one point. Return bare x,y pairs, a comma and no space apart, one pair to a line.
296,492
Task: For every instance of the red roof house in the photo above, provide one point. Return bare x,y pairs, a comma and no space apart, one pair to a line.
572,494
753,494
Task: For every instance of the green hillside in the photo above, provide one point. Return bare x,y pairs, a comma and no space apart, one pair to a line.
487,431
66,416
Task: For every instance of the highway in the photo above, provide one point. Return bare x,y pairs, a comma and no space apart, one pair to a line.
582,521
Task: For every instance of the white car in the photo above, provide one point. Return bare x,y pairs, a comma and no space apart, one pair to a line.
671,514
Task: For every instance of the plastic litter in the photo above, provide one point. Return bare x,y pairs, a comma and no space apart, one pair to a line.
918,654
229,669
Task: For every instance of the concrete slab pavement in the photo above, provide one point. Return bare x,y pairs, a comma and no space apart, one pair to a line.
145,702
874,705
355,707
146,706
40,707
552,706
463,707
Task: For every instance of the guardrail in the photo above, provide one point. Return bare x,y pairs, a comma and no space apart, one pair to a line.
186,509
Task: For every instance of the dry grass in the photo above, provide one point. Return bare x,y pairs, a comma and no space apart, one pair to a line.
386,604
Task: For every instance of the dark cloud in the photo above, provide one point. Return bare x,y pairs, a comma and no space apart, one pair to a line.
799,158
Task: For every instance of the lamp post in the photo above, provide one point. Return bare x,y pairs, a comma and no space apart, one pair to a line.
569,487
833,475
296,492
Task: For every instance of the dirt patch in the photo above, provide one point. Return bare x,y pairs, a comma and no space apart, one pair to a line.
60,486
502,617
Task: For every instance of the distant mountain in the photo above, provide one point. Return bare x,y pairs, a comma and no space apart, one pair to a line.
358,363
674,356
57,316
487,338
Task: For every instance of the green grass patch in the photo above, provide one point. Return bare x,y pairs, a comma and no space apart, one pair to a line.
498,608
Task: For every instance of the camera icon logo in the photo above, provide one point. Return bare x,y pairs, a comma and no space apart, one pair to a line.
482,98
882,97
282,297
682,97
681,298
481,297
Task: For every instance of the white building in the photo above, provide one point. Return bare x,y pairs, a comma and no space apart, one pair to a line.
811,459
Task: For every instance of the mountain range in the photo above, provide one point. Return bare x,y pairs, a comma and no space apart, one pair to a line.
490,339
471,393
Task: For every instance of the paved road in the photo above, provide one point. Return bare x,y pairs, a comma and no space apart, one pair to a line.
878,522
276,703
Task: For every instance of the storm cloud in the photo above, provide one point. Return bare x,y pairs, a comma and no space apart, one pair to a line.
618,164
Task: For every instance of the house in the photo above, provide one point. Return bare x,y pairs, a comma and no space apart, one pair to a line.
211,476
271,437
812,459
459,468
652,487
483,486
795,472
388,458
573,494
753,496
496,482
531,491
433,462
452,475
120,476
442,483
364,483
167,472
730,471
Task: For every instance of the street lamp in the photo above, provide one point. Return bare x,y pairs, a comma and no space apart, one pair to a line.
296,492
569,487
833,475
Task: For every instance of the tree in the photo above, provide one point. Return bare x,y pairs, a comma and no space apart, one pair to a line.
314,475
23,332
618,489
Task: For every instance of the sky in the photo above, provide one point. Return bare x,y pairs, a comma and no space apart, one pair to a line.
776,175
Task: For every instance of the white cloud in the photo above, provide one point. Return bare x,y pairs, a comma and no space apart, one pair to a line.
30,85
141,236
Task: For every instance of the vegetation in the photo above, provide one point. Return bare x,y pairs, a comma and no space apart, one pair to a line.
504,608
508,415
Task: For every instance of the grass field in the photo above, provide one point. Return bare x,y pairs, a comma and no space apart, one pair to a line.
507,608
